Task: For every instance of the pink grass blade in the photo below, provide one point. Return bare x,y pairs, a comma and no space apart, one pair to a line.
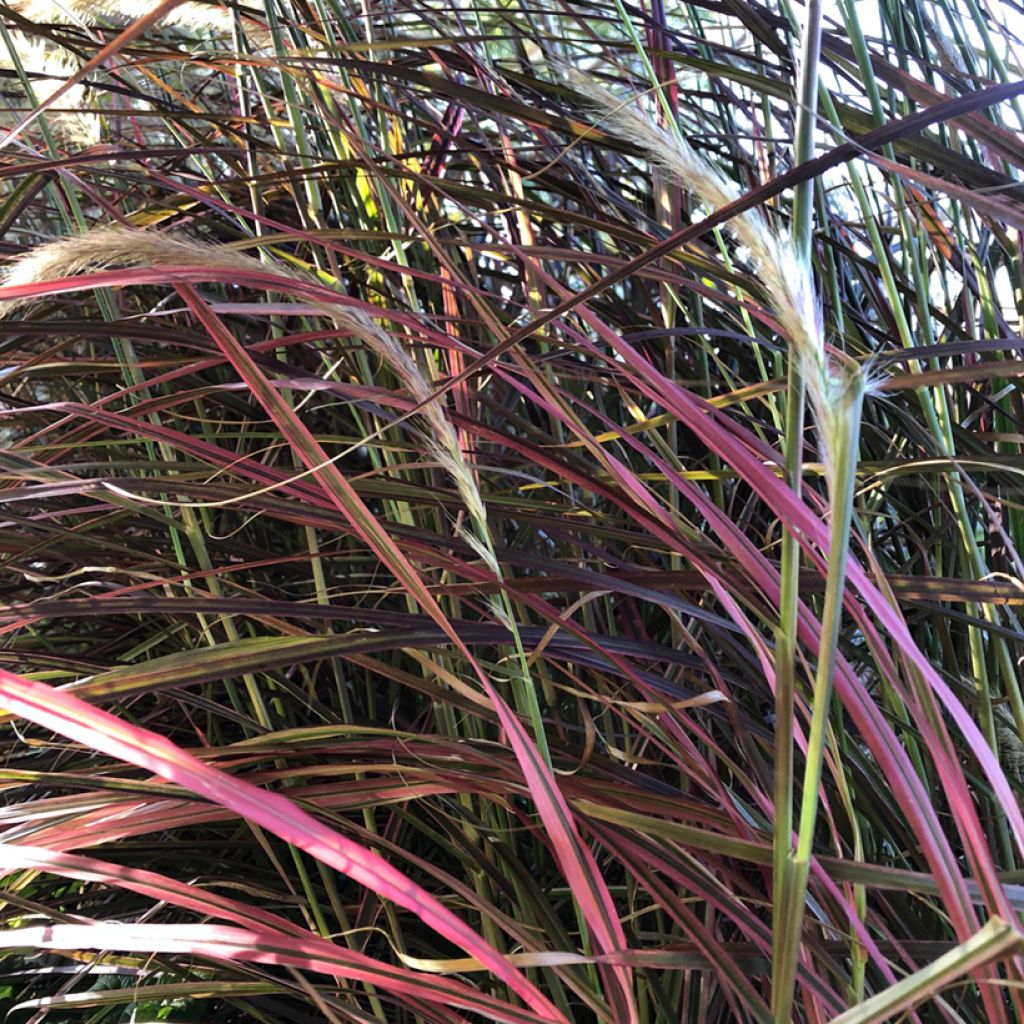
271,929
99,730
239,945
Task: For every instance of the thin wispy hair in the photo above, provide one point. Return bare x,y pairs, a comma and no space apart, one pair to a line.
835,385
48,66
114,246
89,13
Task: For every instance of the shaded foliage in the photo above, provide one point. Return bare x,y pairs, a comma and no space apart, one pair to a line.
513,624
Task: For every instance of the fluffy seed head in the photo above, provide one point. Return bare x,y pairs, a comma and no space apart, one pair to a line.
836,389
192,16
48,66
201,19
108,247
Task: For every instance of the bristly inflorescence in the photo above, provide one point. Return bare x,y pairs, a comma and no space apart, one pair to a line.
47,66
194,16
835,384
212,20
113,246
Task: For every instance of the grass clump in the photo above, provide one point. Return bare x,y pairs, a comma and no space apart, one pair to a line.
425,595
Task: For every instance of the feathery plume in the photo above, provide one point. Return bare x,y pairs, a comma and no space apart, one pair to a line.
836,387
114,246
87,13
48,66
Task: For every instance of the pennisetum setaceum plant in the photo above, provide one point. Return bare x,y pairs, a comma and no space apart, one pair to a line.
837,387
511,512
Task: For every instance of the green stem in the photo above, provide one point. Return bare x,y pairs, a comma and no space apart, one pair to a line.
785,673
844,458
806,119
786,634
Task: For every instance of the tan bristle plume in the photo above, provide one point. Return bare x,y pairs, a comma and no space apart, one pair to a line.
192,16
835,387
48,66
109,247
